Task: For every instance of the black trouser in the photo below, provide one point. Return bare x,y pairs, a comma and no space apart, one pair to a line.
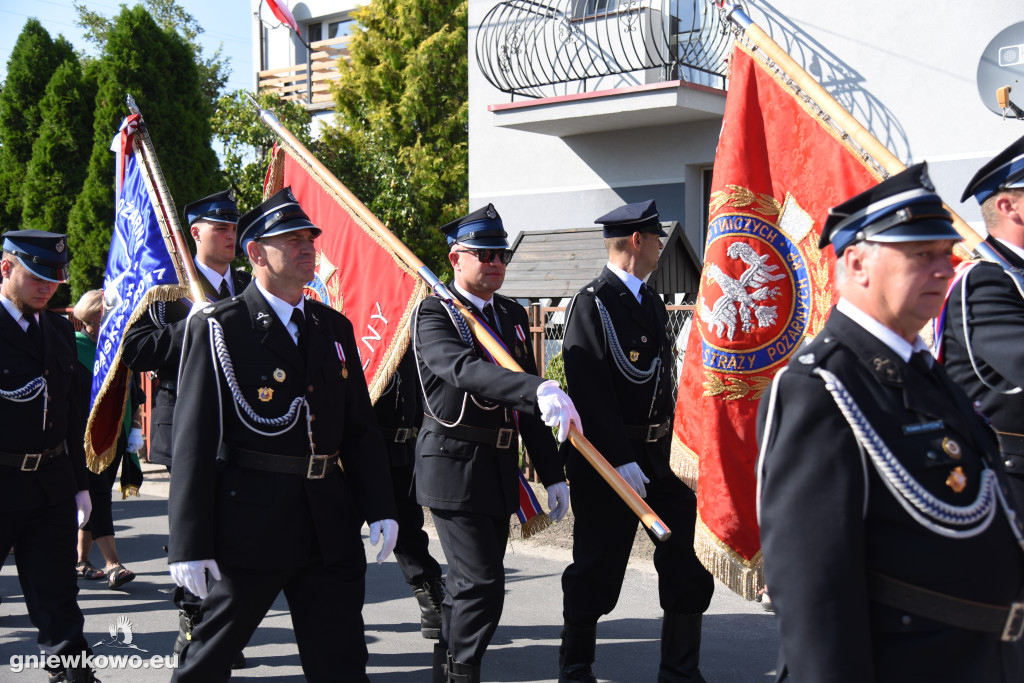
411,550
603,536
326,605
474,546
45,541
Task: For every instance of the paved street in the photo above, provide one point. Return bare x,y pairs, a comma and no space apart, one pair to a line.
740,640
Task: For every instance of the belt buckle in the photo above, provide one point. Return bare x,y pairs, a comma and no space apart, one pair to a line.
505,437
402,434
38,460
317,466
652,433
1014,628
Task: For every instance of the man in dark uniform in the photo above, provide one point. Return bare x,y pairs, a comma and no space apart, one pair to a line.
399,411
153,344
982,350
889,544
618,361
42,463
277,440
467,452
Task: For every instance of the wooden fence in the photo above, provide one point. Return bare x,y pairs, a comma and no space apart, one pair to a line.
308,83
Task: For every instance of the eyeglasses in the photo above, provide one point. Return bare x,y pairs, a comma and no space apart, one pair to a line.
488,255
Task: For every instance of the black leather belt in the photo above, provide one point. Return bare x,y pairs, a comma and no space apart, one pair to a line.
499,438
310,466
1007,621
649,433
30,462
1012,446
399,434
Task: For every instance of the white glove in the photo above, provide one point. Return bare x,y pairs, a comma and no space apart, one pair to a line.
556,408
635,477
192,575
558,501
389,528
135,440
84,504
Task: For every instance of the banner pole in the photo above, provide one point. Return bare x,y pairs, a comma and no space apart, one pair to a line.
637,504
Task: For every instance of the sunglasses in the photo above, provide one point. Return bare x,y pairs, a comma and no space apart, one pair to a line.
488,255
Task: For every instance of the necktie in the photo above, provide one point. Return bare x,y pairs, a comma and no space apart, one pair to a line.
35,335
300,334
921,362
491,320
223,292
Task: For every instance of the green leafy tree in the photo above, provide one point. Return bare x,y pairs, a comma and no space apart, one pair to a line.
400,140
157,67
246,142
33,60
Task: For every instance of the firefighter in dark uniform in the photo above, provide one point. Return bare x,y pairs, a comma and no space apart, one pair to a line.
618,361
278,461
982,350
467,451
153,344
889,542
42,461
399,411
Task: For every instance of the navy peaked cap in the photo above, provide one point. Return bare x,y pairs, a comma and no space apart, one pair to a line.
275,216
635,217
45,254
480,229
1005,171
902,208
219,206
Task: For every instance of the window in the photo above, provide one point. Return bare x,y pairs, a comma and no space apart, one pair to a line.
315,32
329,28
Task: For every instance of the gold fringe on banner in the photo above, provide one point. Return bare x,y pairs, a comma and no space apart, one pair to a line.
535,525
97,462
684,463
129,491
743,577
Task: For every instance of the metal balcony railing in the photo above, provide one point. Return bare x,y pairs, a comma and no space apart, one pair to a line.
309,83
526,47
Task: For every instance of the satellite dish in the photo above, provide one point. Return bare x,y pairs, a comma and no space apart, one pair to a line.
1001,65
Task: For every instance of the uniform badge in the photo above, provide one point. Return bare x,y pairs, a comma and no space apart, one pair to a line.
957,480
519,351
643,339
266,394
263,319
952,448
886,368
634,356
279,375
341,357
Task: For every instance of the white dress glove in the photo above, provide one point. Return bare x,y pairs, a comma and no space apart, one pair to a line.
635,477
192,575
389,529
556,408
135,440
558,501
84,504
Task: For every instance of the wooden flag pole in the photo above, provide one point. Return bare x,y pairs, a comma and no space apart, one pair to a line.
637,504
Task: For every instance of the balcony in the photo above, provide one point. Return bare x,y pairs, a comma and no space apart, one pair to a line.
308,84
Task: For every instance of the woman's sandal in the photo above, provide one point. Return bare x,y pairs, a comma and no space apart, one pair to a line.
118,576
85,570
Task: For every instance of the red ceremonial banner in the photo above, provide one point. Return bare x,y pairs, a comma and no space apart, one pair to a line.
764,289
356,273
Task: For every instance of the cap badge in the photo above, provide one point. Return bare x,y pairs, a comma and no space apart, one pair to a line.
59,246
491,213
280,375
266,394
926,181
957,480
289,195
952,449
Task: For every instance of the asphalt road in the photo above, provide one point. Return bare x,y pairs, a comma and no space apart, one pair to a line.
740,640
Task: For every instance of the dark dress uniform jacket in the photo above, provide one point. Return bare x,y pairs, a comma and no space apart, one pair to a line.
995,318
827,519
608,402
255,518
454,474
21,423
153,343
400,407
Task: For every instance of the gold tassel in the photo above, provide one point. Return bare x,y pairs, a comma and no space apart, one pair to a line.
534,525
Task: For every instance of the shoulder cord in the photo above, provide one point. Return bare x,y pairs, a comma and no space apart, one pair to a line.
631,373
286,421
927,510
967,337
28,393
159,308
462,327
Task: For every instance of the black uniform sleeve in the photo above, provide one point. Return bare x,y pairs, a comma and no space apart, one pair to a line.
588,375
149,346
78,413
812,534
995,313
